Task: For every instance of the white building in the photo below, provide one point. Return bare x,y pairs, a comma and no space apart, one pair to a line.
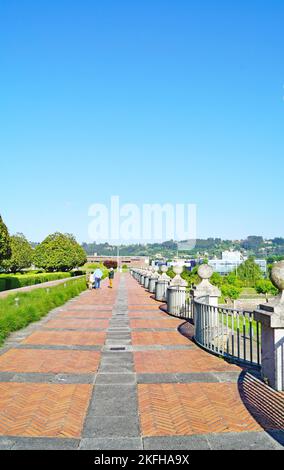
230,262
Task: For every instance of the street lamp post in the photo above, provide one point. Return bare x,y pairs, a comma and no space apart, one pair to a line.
117,258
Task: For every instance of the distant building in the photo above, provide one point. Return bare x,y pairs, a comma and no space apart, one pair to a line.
189,264
131,261
230,262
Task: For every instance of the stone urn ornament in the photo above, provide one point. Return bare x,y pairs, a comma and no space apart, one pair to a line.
155,272
177,280
164,275
277,279
205,288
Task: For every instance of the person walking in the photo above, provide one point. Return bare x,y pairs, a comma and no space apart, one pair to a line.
110,277
98,274
91,281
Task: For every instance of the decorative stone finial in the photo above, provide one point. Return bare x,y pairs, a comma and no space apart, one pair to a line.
164,276
205,288
277,278
275,307
155,274
177,280
205,271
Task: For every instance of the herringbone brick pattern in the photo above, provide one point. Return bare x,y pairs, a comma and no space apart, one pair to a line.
74,338
199,408
184,361
144,314
43,410
156,324
142,306
76,324
49,361
84,314
157,338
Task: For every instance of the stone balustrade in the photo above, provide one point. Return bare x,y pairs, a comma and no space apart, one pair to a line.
204,298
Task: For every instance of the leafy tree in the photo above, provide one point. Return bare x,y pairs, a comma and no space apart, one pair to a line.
230,292
59,252
22,254
249,272
265,286
253,243
233,280
5,242
216,279
191,276
110,264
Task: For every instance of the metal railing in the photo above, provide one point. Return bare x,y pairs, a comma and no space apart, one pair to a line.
227,332
179,305
231,333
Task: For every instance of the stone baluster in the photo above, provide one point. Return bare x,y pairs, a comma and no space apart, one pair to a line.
271,316
162,285
206,293
153,279
176,293
148,277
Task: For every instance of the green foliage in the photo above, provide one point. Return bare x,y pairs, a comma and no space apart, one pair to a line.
110,264
34,305
170,273
11,281
5,242
230,291
22,254
216,279
249,272
191,276
59,252
253,243
265,286
233,280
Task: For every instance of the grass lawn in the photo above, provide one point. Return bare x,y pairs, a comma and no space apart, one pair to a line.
32,306
242,325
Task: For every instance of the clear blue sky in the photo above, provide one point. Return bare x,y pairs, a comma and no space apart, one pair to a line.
154,100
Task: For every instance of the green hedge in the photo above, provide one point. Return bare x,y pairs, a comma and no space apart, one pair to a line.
34,304
11,281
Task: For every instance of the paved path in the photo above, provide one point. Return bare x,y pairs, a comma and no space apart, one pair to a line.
109,370
41,285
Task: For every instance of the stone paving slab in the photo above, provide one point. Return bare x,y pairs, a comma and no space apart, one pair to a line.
112,427
28,443
114,378
47,378
244,441
129,443
117,400
184,378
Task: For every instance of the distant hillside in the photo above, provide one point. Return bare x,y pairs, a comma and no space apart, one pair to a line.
252,246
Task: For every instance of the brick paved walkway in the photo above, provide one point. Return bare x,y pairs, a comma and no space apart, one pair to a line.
110,370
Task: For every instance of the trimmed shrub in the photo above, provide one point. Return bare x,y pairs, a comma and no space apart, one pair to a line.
10,281
110,264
